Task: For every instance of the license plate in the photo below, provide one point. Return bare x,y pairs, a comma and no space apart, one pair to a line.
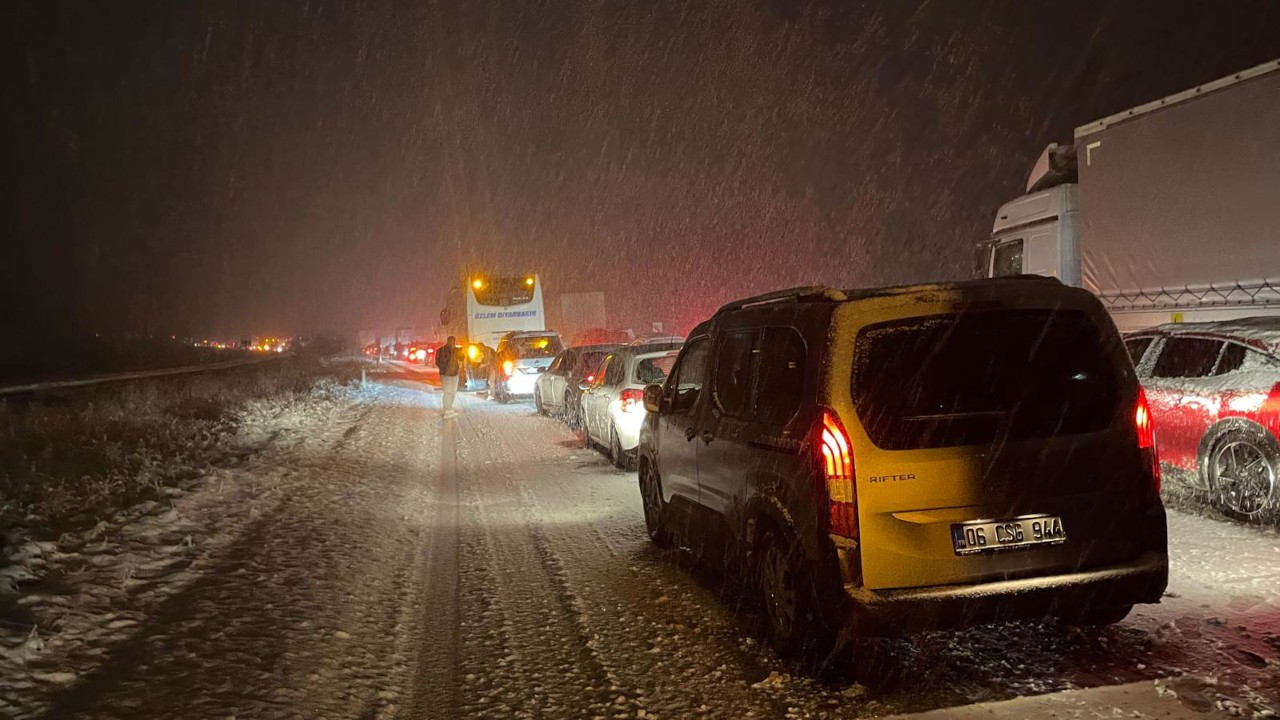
992,535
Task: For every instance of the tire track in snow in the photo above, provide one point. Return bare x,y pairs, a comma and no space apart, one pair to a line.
551,668
677,648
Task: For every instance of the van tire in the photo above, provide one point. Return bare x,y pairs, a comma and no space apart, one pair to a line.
1097,615
792,618
655,508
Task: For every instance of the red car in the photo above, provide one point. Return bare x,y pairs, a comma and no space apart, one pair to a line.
1214,392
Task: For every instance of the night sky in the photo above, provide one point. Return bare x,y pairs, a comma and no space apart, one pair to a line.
233,168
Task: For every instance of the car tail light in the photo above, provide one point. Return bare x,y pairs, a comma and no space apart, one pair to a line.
508,367
632,400
1146,428
837,469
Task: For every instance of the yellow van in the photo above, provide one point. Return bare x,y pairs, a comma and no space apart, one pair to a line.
908,458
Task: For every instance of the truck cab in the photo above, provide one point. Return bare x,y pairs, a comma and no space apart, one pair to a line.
1165,211
1038,233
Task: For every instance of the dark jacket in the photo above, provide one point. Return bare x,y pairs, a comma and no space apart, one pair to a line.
447,360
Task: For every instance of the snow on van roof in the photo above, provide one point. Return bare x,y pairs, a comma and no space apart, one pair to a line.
1260,331
863,293
822,293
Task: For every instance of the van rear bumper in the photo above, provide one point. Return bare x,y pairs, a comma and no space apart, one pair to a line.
896,612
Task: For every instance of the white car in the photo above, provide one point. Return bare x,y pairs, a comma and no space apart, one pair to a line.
557,390
613,403
520,358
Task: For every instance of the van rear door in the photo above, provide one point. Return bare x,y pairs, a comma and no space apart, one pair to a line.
984,436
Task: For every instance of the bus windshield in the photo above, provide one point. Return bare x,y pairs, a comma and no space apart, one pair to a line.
503,291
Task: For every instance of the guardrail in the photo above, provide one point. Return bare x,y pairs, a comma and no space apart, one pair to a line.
137,375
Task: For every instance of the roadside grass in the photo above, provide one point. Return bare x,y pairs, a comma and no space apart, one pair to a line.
67,461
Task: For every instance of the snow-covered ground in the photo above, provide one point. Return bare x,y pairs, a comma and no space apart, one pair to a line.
376,562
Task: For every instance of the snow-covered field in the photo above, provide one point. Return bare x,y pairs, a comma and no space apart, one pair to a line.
375,562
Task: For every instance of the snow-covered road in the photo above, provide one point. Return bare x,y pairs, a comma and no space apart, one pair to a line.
384,563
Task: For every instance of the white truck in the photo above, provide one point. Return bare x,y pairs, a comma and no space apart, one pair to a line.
1169,211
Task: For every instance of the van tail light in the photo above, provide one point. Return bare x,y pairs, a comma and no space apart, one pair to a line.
632,400
1147,437
837,469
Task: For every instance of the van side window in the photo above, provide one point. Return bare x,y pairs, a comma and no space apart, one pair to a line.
1186,357
686,381
782,367
735,363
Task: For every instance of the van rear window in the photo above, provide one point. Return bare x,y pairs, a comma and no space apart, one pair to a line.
983,377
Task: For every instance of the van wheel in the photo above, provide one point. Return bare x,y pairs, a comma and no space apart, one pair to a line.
791,614
619,456
1242,474
655,509
1097,615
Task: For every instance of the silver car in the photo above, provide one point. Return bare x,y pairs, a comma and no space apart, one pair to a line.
613,403
557,391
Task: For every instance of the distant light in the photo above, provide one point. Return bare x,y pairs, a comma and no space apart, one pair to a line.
477,283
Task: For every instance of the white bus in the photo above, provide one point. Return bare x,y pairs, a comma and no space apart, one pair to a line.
483,307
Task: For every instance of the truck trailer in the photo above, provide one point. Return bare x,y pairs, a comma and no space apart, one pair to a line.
1168,212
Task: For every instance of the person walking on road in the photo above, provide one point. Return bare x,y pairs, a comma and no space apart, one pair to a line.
449,363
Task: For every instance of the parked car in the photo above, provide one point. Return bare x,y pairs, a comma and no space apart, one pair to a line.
908,458
613,403
1214,390
557,391
518,360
